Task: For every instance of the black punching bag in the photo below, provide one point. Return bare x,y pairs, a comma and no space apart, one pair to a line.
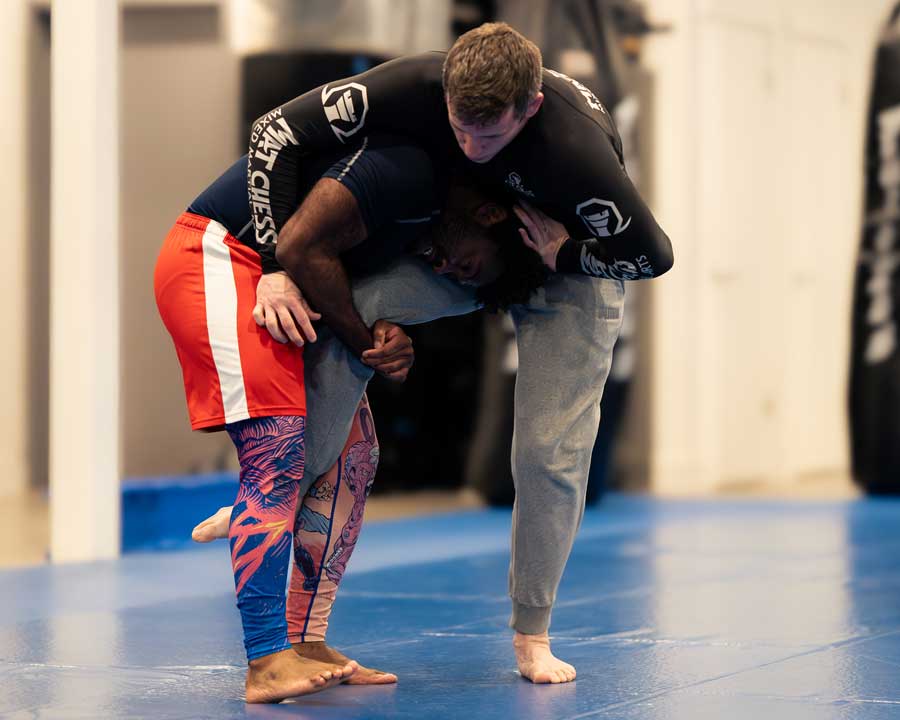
875,360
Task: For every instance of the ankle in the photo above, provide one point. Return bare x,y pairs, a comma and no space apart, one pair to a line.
523,640
265,661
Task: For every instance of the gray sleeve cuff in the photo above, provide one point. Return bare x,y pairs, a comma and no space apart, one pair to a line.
529,620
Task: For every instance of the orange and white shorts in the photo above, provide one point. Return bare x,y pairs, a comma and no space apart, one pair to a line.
205,283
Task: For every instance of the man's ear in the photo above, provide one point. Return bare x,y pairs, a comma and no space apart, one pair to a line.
490,213
534,105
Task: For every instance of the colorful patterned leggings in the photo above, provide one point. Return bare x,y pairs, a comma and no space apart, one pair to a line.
324,526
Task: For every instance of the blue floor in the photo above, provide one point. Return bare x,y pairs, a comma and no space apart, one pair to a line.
668,609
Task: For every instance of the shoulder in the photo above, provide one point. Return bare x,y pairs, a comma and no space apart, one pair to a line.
574,119
422,67
571,92
572,99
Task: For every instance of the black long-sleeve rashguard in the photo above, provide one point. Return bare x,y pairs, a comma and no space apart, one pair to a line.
567,160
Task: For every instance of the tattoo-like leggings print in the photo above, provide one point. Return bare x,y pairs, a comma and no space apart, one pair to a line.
327,527
271,455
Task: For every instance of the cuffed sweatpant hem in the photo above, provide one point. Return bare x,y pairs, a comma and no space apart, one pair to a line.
529,620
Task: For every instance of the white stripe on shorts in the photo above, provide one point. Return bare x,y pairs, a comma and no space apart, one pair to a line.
221,321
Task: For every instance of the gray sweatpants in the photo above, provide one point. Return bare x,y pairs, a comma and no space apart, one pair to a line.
565,337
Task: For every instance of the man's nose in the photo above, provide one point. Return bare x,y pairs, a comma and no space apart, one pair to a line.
469,147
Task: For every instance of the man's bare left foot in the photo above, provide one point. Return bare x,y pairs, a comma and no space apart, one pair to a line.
281,675
318,650
215,527
536,661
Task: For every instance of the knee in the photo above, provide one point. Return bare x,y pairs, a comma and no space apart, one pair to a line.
374,455
544,469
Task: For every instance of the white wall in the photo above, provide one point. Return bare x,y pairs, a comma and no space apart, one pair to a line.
14,467
759,135
387,27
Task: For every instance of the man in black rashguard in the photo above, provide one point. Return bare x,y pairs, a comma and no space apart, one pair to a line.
546,141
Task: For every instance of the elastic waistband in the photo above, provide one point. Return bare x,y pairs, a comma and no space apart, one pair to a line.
198,222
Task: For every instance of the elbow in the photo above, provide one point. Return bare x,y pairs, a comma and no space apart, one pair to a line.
667,259
290,255
283,254
664,258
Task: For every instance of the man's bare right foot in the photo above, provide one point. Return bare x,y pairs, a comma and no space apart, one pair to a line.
318,650
214,527
276,677
536,661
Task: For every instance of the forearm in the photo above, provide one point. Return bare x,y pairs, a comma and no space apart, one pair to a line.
309,247
617,259
324,280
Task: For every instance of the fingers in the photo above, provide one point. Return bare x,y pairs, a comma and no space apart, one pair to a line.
310,313
289,325
393,355
395,340
405,357
387,351
379,333
283,311
286,322
525,217
303,317
393,366
538,217
390,340
259,315
533,237
395,370
271,320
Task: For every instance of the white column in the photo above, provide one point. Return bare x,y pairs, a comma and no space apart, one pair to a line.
84,277
13,270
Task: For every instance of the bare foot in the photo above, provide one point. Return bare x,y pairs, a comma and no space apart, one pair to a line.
363,676
537,663
214,527
272,678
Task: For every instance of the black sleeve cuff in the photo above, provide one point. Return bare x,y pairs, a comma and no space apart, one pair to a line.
267,259
568,259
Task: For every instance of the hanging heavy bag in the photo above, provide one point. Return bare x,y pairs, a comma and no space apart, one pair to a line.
875,360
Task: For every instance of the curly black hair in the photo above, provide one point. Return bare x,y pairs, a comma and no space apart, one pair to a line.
524,271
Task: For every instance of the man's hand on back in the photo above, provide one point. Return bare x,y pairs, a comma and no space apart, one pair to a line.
283,311
393,354
541,233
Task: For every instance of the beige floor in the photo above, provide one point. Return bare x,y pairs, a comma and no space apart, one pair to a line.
25,532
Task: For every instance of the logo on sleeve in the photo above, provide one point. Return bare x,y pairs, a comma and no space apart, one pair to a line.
515,182
345,107
602,217
589,97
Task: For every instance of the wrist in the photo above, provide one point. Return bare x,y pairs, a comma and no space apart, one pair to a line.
567,257
557,246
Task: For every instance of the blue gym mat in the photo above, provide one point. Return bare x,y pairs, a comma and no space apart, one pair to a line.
668,609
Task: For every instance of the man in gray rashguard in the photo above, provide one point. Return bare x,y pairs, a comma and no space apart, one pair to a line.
549,143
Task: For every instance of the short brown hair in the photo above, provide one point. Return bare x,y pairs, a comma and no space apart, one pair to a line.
488,69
